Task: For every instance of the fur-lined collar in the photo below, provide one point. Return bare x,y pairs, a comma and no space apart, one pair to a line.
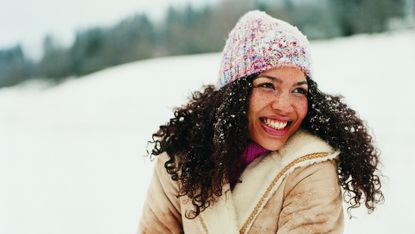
235,211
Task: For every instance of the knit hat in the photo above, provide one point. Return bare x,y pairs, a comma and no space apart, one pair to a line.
259,42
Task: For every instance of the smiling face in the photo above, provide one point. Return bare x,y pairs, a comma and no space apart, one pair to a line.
277,106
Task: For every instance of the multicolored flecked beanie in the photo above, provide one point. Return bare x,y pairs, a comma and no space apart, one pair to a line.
259,42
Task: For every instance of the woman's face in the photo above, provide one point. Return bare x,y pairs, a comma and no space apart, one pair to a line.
277,106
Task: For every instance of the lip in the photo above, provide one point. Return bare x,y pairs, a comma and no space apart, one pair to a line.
278,118
275,132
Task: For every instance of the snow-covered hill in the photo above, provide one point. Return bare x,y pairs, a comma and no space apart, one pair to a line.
71,156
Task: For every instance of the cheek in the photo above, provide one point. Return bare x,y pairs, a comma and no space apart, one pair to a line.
251,114
256,104
257,101
302,109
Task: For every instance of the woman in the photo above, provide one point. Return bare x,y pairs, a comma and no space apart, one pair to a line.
263,151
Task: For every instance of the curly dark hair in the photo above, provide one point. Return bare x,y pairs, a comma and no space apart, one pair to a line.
207,137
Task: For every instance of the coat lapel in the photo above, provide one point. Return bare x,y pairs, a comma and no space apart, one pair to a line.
220,217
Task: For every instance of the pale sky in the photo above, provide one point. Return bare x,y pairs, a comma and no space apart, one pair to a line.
28,21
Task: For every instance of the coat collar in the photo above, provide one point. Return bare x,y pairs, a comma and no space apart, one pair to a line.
235,211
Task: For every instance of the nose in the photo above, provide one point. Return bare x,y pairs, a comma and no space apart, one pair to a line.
282,104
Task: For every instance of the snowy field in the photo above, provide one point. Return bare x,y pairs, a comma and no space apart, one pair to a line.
71,156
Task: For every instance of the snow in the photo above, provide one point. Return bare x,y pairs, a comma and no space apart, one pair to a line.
71,156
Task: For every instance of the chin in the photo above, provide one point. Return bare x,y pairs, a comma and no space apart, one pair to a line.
272,145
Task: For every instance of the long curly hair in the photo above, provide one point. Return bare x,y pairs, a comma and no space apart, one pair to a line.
207,137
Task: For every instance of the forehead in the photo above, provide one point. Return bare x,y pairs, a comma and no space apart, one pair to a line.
285,74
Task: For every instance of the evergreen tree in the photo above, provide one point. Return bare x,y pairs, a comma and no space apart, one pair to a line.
14,66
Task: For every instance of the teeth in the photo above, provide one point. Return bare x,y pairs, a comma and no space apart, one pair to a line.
275,124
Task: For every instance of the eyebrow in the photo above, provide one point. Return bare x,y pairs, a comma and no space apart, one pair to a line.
280,81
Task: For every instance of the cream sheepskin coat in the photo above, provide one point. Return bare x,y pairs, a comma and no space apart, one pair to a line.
294,190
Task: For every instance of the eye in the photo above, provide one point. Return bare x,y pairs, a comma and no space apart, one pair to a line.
266,85
300,90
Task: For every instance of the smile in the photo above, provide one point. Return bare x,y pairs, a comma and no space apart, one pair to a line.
275,127
275,124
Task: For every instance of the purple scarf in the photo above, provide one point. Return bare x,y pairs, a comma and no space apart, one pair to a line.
252,151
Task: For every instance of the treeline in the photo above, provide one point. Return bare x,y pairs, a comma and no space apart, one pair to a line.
189,30
14,66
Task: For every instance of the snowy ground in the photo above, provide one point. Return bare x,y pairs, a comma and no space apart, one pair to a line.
71,156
